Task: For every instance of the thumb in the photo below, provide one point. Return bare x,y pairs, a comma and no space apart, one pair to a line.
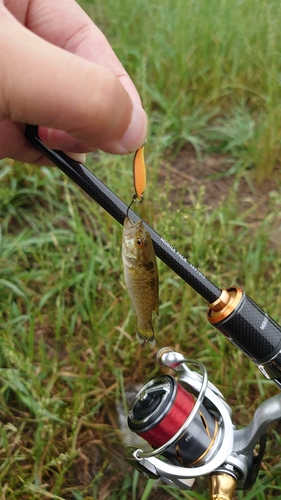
80,104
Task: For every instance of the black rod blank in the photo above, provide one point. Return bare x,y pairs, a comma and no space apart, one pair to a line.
108,200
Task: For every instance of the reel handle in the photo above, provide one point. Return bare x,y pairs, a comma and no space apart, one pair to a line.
222,486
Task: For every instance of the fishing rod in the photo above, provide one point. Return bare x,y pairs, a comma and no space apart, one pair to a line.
230,310
185,419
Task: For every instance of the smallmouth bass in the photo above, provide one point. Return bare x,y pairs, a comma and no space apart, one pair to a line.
141,277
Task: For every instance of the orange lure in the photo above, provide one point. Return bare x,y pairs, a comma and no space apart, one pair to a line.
139,173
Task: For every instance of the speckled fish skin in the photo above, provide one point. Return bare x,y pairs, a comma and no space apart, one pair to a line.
141,276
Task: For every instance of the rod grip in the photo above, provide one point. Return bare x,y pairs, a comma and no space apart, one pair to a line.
247,326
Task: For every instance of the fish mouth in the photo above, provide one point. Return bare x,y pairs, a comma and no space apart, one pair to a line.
144,336
146,340
129,224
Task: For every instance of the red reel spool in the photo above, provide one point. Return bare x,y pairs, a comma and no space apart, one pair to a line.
172,421
159,411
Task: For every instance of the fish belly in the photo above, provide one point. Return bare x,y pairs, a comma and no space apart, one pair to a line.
143,290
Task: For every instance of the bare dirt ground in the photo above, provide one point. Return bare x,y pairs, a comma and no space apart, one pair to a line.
213,173
188,175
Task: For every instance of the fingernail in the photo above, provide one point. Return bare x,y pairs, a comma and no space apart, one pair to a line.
135,134
80,157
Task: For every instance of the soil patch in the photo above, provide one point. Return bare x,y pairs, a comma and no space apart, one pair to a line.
212,176
214,173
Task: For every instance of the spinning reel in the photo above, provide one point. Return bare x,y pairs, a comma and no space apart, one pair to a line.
188,425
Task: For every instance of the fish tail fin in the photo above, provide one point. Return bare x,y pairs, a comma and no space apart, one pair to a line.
145,335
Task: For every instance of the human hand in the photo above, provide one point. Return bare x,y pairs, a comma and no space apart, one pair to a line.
58,70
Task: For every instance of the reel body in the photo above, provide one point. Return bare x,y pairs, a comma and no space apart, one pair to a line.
188,425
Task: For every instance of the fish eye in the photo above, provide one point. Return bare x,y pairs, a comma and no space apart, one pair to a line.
140,242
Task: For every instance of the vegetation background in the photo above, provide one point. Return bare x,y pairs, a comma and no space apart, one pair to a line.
209,75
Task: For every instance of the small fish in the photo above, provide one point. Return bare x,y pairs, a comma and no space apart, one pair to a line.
141,276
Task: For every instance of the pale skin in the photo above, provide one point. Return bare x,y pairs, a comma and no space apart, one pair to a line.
58,71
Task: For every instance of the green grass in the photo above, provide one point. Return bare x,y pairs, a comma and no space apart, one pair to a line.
208,75
68,347
208,72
